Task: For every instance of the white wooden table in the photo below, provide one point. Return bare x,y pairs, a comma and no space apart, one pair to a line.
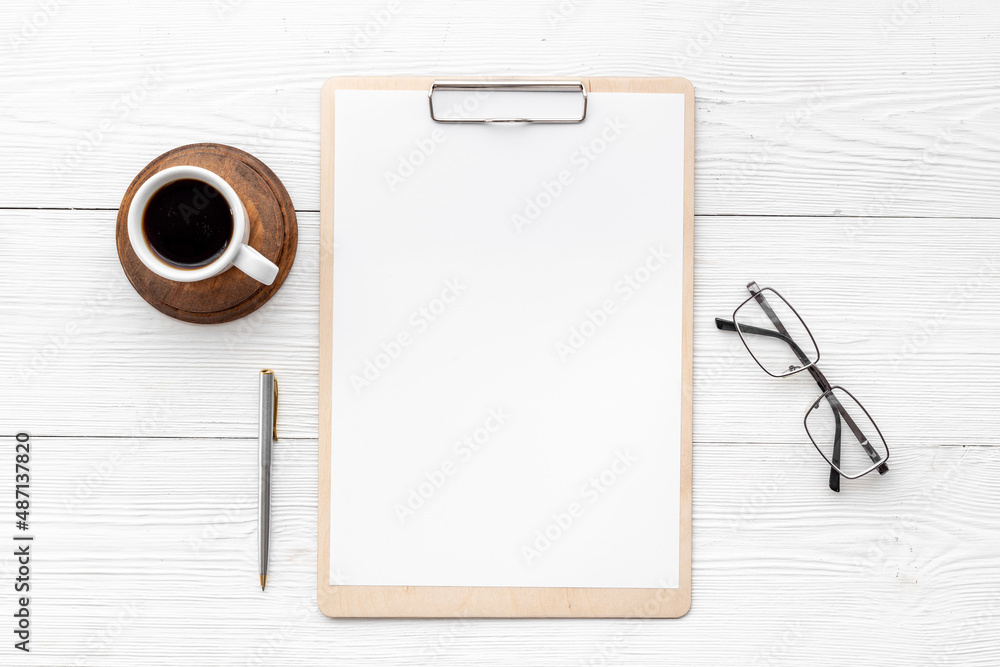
846,155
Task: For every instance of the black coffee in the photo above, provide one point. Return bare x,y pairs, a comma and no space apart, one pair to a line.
188,223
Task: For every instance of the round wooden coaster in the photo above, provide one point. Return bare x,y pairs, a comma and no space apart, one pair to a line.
273,232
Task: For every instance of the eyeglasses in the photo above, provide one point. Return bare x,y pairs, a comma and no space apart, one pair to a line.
781,344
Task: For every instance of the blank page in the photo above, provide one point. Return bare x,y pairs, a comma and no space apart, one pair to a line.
506,397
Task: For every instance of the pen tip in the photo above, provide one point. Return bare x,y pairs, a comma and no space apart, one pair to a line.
263,581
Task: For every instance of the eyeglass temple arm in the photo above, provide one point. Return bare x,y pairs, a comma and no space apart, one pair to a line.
862,439
758,295
834,473
729,325
824,385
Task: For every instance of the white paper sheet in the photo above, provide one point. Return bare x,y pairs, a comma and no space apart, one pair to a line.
507,346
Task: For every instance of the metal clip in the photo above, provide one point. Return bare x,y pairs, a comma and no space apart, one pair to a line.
522,86
274,425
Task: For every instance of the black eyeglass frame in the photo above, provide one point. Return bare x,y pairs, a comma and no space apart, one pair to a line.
757,294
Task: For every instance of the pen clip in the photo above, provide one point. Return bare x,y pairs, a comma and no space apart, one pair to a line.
274,407
275,411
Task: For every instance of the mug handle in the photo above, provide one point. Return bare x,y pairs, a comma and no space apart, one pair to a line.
255,265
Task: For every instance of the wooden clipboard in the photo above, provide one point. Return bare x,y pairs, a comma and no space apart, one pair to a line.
460,601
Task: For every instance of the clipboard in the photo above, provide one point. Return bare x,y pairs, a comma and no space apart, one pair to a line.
344,596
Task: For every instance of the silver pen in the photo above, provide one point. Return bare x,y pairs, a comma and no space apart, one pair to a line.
267,433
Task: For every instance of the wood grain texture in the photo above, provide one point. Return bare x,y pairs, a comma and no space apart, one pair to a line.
273,232
903,310
852,108
147,554
345,600
874,123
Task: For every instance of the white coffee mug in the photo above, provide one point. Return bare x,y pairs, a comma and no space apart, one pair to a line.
237,252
